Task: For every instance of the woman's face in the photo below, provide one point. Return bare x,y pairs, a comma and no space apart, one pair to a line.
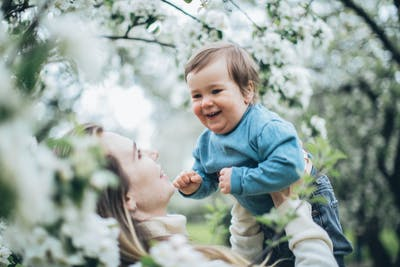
150,189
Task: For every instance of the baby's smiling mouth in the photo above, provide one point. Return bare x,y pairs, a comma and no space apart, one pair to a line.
212,114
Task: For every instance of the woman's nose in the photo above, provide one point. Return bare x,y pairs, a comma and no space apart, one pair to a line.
153,154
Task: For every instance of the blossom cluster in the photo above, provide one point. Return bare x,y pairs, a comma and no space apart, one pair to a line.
62,228
177,252
52,218
5,252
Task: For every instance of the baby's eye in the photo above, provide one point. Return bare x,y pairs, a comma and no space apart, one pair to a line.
196,96
216,91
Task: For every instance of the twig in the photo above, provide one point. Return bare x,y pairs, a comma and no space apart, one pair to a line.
183,11
18,8
247,16
28,30
112,37
191,16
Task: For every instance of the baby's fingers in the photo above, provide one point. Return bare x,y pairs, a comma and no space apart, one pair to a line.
182,180
196,179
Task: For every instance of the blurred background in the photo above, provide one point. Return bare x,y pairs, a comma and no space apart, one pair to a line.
330,67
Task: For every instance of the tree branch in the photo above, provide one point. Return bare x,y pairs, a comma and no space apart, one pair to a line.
379,255
183,11
397,5
392,176
208,27
375,28
395,177
247,16
364,88
386,133
123,37
28,32
16,9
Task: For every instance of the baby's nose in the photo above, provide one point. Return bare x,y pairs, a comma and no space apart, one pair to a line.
207,101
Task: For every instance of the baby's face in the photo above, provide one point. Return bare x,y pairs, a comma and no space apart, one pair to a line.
216,99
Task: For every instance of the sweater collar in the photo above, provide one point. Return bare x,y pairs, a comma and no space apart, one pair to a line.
162,227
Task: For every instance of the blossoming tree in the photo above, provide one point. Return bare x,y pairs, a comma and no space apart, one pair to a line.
52,50
358,94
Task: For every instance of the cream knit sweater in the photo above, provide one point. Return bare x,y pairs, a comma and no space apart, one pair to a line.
309,243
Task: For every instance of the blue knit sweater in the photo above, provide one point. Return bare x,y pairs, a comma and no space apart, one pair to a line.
263,150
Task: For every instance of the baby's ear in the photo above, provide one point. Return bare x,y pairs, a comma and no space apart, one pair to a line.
249,94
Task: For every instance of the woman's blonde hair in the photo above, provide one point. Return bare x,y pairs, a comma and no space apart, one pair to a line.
131,245
111,204
242,69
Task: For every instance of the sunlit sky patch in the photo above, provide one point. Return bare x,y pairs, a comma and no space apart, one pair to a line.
118,108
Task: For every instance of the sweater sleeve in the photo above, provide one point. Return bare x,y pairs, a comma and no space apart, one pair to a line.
246,235
281,161
309,243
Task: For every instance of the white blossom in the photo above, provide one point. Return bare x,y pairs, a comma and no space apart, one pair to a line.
216,19
79,40
177,252
81,157
306,130
33,181
271,48
5,252
96,236
319,124
101,179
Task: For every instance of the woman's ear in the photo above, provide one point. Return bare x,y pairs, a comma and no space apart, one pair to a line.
130,202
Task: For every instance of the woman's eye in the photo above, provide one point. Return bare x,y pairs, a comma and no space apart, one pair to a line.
216,91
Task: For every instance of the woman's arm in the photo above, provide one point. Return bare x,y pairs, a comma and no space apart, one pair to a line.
246,235
309,243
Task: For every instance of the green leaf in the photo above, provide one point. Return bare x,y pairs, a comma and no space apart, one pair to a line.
30,66
148,261
188,1
8,197
61,146
324,156
275,220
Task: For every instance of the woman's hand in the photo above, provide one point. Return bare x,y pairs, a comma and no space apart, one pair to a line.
279,197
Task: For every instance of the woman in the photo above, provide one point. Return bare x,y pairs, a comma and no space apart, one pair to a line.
140,203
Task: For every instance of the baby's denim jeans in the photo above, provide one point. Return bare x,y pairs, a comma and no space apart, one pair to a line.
324,213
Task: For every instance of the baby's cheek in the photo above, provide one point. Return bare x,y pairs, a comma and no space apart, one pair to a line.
196,109
198,112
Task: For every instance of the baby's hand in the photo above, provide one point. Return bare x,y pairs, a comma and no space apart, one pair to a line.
187,182
225,180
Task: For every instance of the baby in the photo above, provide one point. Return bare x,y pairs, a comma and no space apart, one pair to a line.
246,150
